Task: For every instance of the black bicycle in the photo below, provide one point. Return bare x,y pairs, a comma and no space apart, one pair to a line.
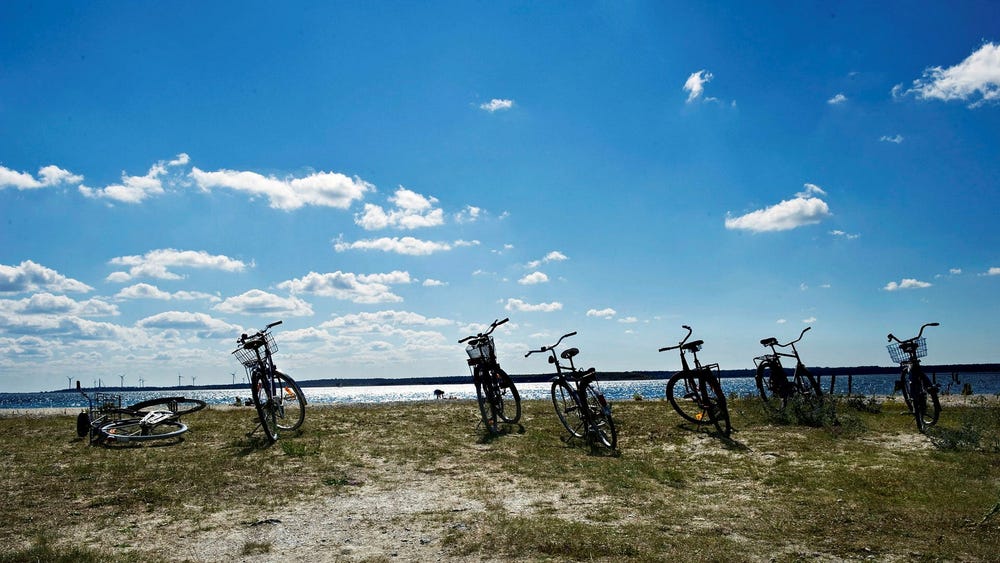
773,383
498,397
281,406
919,393
696,394
578,399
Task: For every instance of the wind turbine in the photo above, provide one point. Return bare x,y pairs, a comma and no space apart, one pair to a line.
193,378
69,382
178,380
122,377
234,377
141,382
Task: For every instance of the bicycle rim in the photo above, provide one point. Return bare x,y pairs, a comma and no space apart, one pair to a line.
485,402
508,398
772,385
602,426
715,403
568,409
133,430
685,397
264,403
926,406
291,403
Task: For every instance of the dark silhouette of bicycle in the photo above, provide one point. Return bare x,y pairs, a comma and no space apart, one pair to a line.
578,399
773,383
696,394
920,395
280,404
497,395
106,421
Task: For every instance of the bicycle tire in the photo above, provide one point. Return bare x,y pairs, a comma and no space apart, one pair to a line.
134,430
290,401
505,386
264,403
568,408
773,385
685,397
926,415
808,385
177,405
715,402
484,398
904,387
602,425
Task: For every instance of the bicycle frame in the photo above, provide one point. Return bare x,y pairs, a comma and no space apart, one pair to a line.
916,387
800,373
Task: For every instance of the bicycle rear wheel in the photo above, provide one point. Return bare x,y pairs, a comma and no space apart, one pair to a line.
926,406
484,395
715,403
568,408
773,385
684,396
602,426
290,403
508,400
266,409
177,405
134,430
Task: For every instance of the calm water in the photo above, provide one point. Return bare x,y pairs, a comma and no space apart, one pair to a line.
982,383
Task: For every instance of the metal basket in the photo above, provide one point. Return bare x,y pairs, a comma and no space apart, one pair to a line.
105,403
899,355
481,350
248,355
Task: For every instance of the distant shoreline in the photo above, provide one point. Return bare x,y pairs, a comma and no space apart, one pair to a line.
535,378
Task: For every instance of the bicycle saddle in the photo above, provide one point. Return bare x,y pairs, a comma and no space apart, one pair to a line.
569,353
694,345
769,341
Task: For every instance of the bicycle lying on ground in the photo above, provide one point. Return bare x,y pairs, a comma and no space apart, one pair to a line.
773,383
280,404
106,420
498,398
919,393
578,399
696,394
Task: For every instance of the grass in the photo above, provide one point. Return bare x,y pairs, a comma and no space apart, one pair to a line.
852,481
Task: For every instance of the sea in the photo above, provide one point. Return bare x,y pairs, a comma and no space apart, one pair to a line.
625,390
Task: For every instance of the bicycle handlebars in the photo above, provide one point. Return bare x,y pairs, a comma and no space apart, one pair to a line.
801,334
493,327
547,348
919,334
244,337
681,343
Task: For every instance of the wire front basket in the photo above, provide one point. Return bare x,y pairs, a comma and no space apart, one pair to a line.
899,355
247,355
481,350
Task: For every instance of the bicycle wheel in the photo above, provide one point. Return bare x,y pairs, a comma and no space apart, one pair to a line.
507,401
484,393
264,403
773,385
926,407
136,430
904,387
807,384
177,405
290,402
685,396
602,426
567,406
715,403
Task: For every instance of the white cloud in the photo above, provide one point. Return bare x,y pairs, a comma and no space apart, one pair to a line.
204,325
181,160
809,320
975,78
695,84
533,278
321,189
147,291
49,304
359,288
781,321
836,100
406,245
412,211
366,321
257,302
132,189
628,320
50,175
518,305
848,236
554,256
606,313
805,209
433,283
497,104
29,276
897,139
994,271
468,215
955,271
907,283
156,264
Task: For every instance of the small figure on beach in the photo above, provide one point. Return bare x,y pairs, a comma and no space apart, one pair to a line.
438,394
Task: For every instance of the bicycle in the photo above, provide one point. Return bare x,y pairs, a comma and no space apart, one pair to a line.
578,399
773,384
916,386
154,419
280,403
696,394
493,385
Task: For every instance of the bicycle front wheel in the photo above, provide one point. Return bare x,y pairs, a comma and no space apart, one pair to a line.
773,385
507,401
807,384
484,395
926,406
715,403
290,403
266,409
685,397
602,426
568,409
134,430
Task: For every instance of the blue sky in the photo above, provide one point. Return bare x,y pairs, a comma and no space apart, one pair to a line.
390,177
